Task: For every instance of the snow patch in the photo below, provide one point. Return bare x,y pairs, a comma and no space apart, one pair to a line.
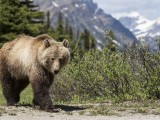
95,17
55,4
98,29
144,25
76,5
117,43
96,11
154,34
64,9
157,21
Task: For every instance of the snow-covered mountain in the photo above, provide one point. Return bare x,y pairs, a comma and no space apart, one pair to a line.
140,26
155,28
85,14
145,30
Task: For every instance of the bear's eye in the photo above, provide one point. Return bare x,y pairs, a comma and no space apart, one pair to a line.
47,61
52,59
61,60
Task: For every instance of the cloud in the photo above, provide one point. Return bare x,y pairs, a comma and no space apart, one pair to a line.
148,8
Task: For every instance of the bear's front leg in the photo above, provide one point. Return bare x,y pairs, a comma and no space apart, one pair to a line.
40,85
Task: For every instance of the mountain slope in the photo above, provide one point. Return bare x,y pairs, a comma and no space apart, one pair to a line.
83,14
154,29
140,26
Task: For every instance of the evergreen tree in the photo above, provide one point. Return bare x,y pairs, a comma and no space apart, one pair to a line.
110,38
60,24
37,16
17,18
158,42
78,40
48,20
87,41
67,27
70,33
68,30
61,30
47,27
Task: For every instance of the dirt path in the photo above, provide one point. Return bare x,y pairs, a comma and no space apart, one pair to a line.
76,117
60,116
67,113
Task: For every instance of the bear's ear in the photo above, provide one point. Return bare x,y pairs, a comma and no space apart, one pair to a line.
46,43
65,43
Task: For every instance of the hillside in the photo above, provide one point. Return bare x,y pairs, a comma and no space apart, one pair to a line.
83,14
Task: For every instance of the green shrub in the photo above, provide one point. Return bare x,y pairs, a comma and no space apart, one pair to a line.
128,75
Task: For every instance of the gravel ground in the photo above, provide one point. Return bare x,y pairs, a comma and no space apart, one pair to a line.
46,116
28,113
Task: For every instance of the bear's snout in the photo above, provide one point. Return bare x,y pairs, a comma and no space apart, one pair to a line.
56,71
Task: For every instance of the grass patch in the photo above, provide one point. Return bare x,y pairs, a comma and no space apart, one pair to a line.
121,109
156,111
13,113
26,96
141,110
118,109
82,112
102,110
2,100
151,104
2,111
69,113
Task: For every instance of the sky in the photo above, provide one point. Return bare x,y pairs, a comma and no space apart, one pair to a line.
147,8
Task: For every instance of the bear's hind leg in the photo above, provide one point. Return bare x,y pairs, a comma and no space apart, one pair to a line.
8,89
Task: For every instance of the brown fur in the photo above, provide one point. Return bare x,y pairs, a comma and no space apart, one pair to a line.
31,60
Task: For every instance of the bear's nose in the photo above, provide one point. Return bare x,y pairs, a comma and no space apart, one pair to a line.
56,71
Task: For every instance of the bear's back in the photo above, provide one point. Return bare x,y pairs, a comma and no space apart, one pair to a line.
20,54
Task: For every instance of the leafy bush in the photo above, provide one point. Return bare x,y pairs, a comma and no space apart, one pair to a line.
128,75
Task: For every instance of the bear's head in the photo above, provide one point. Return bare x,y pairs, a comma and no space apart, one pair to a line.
54,55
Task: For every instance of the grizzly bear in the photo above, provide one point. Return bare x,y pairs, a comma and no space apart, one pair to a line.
34,60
